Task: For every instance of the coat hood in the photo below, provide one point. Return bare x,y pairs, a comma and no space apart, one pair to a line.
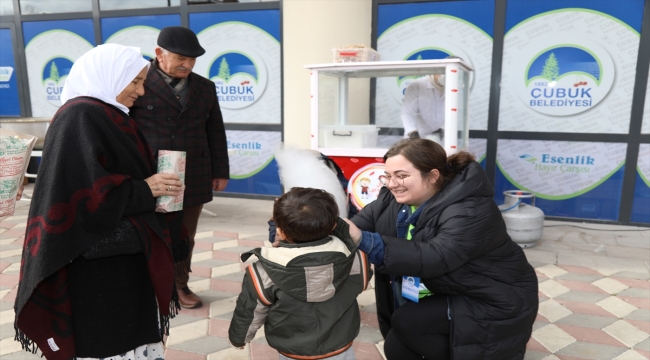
310,272
471,182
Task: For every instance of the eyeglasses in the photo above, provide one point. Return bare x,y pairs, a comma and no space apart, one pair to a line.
398,179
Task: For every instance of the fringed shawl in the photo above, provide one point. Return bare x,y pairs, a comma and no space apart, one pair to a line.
91,151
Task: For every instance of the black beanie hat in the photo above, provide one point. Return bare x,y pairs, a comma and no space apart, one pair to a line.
180,40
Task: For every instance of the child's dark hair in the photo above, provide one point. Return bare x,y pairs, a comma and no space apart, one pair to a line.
305,214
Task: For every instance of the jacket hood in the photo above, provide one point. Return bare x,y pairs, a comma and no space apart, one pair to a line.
310,272
471,182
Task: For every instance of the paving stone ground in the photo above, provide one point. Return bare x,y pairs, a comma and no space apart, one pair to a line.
594,289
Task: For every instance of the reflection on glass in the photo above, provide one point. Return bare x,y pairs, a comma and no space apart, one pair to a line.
198,2
141,4
28,7
6,7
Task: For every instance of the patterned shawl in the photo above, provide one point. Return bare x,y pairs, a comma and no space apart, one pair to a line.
91,153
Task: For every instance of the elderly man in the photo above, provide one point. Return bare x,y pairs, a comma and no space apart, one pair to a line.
179,111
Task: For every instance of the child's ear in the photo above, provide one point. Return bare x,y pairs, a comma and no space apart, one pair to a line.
279,234
334,226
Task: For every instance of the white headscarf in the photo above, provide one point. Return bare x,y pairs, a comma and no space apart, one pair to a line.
103,73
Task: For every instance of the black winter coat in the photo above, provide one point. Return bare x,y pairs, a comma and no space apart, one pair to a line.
196,128
460,249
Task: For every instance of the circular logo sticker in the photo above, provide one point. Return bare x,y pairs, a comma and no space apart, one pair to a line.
428,53
564,76
140,36
55,72
240,77
49,58
365,183
243,61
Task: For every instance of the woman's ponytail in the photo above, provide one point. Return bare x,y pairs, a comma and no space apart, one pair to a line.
455,163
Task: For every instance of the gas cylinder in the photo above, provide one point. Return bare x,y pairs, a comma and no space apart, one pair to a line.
524,222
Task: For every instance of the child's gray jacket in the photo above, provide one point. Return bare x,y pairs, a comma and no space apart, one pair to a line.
304,295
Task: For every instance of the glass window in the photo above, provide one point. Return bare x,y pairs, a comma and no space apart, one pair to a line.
141,4
6,7
28,7
198,2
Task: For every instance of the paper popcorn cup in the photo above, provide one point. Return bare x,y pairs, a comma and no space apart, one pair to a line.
171,162
15,151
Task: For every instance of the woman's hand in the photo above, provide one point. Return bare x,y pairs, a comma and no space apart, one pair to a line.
355,233
165,185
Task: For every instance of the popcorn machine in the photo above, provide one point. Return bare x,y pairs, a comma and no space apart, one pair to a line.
356,111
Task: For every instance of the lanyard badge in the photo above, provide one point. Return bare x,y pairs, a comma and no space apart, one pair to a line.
411,288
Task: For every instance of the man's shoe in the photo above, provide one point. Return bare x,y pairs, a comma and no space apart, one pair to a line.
188,299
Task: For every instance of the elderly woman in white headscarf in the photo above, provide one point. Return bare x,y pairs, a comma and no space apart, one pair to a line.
97,272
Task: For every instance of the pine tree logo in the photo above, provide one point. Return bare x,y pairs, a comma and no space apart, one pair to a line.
551,69
54,73
419,57
224,70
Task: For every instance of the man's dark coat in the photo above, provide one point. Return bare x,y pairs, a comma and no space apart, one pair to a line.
196,128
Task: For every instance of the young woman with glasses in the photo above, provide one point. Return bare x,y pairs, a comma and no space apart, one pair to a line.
450,283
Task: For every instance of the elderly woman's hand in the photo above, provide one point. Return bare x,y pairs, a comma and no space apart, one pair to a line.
355,233
165,185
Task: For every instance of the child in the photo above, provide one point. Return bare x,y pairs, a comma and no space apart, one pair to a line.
304,291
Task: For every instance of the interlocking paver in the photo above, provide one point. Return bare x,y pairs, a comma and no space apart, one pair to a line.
365,351
626,333
369,334
173,354
590,335
231,354
218,328
610,285
617,306
551,270
581,286
204,345
641,314
591,351
636,292
553,311
634,283
641,303
534,345
641,325
632,275
552,288
186,332
630,355
643,345
553,338
7,331
539,324
585,320
8,346
535,355
211,263
580,277
582,296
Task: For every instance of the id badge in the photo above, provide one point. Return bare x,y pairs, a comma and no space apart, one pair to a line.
411,288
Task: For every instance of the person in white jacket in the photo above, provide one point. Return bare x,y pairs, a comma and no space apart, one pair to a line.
423,108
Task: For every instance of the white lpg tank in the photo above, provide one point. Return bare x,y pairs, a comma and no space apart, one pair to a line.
524,223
